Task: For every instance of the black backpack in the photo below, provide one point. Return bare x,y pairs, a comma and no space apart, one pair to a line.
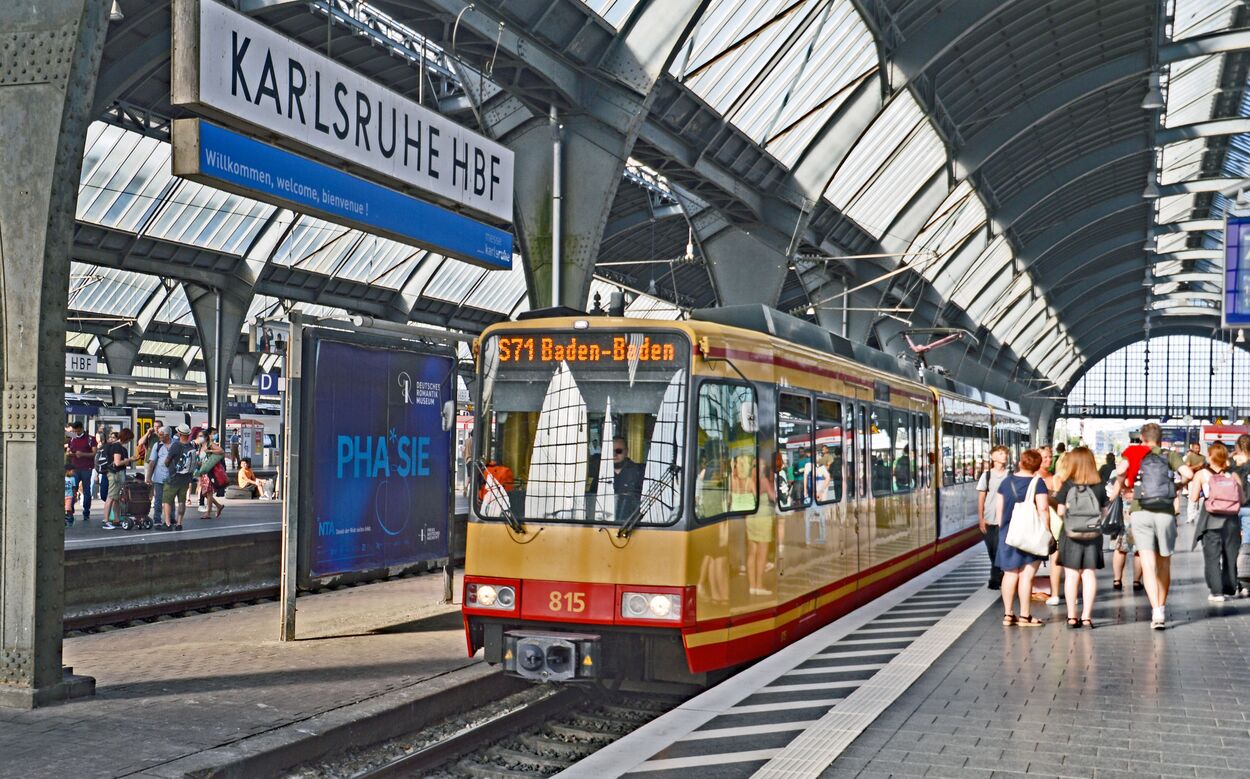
104,460
1155,485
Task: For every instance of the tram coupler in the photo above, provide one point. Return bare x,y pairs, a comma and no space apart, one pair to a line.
551,657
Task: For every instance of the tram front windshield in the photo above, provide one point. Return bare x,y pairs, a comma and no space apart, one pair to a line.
582,426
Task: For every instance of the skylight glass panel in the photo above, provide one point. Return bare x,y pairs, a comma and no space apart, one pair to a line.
959,215
499,289
994,260
177,309
614,12
1197,17
453,281
309,237
109,291
1192,89
376,261
124,176
777,70
198,215
894,159
1171,242
1182,161
1175,208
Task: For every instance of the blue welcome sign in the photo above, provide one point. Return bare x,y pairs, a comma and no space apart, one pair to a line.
226,159
1237,272
377,457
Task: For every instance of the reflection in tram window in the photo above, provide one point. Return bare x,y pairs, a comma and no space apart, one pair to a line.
948,453
796,470
882,456
586,440
726,481
829,451
901,464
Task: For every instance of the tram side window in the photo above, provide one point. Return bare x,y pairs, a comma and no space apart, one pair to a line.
882,447
829,450
902,463
924,455
726,474
948,453
797,478
982,452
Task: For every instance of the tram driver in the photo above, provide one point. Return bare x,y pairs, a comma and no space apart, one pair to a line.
626,481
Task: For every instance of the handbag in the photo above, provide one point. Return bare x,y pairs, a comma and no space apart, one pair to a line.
1028,531
1113,518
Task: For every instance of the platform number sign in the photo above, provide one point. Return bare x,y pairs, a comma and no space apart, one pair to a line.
1236,292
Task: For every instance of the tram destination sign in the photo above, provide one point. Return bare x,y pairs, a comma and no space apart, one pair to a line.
1236,297
592,348
248,75
228,160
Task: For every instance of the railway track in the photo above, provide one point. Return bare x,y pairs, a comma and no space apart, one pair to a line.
536,740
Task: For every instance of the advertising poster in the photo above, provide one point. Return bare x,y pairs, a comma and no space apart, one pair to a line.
377,457
1236,308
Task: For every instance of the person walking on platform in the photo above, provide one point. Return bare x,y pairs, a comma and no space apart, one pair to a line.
1020,567
1107,471
1151,473
117,459
157,471
1241,467
1047,473
988,517
1081,499
1218,491
182,462
81,448
1196,462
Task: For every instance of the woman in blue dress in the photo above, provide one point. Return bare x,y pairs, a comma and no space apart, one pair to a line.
1019,567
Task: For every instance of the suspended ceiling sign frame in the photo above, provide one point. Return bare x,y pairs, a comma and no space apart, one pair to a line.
249,76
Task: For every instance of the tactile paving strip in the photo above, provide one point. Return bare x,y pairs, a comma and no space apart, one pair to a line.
763,724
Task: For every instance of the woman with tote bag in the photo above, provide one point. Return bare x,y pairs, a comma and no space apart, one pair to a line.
1026,537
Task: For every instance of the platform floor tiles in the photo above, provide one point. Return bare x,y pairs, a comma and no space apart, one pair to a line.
170,693
1121,700
760,727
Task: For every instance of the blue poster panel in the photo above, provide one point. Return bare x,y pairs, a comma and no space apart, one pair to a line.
377,457
1237,272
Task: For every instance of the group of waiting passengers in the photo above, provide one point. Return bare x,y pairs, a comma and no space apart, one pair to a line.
1079,501
177,463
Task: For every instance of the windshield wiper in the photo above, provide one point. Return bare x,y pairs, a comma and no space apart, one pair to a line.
500,495
650,499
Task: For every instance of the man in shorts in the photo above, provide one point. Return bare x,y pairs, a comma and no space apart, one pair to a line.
175,489
1154,531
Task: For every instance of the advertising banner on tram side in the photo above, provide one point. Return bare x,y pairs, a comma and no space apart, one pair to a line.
377,474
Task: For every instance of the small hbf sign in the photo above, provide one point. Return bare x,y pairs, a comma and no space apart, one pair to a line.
83,363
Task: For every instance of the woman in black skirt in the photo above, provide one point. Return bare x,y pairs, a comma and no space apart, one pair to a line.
1081,498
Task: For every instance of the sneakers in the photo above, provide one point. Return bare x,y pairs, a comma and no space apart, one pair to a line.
1157,618
1217,598
1053,600
108,525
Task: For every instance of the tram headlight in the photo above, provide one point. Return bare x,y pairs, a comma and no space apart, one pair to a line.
490,596
486,595
651,605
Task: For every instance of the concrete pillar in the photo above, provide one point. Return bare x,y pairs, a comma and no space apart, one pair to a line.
119,356
593,162
48,67
212,308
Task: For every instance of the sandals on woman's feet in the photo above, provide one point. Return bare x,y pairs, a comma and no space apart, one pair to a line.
1073,623
1009,620
1087,623
1029,622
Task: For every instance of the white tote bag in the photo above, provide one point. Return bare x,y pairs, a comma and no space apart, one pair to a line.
1028,531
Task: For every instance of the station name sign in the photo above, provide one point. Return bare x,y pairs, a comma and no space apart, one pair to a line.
1236,292
243,73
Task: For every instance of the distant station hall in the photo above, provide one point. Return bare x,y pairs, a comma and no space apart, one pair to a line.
648,388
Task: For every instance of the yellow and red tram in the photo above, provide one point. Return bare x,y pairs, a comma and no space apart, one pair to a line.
661,500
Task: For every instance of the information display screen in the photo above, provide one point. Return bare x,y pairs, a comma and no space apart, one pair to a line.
1236,309
592,348
378,459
